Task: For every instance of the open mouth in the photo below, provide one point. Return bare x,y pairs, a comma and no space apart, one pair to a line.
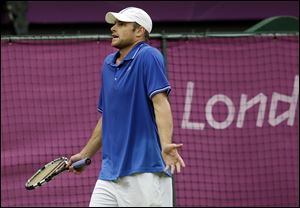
115,36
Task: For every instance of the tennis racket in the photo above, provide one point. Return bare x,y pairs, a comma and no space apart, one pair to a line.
52,169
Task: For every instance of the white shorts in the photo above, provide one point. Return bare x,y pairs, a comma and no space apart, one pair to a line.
137,190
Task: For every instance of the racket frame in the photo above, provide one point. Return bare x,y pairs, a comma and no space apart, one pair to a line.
48,177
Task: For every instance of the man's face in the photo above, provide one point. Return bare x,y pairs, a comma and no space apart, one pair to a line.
123,34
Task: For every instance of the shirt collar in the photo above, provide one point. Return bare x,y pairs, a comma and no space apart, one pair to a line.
130,56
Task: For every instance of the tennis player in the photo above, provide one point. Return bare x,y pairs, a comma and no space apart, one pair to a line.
135,129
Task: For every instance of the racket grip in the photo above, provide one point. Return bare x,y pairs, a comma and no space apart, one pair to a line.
80,163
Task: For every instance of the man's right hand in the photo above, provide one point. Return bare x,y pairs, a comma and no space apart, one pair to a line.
72,160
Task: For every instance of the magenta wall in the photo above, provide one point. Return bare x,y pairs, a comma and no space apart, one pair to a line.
234,156
234,103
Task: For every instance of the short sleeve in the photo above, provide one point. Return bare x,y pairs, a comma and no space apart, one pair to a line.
155,73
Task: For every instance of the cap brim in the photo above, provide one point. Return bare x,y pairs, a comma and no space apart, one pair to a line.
111,18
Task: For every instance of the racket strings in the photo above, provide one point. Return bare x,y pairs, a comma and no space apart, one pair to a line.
45,173
57,167
50,170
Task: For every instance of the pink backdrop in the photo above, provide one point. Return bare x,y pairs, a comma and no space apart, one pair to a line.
235,109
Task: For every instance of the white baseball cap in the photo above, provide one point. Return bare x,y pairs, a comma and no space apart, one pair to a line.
130,14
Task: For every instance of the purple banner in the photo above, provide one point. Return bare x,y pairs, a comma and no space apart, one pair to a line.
235,109
160,11
49,93
236,112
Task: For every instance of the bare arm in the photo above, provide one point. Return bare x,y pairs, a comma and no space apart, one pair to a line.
164,122
90,149
94,143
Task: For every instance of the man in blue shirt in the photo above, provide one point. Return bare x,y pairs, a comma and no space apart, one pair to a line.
135,130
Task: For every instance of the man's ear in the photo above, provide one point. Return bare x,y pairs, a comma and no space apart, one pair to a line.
140,31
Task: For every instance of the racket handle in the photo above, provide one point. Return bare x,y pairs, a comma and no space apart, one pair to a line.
80,163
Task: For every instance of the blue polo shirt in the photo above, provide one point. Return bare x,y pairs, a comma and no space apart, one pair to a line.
130,141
